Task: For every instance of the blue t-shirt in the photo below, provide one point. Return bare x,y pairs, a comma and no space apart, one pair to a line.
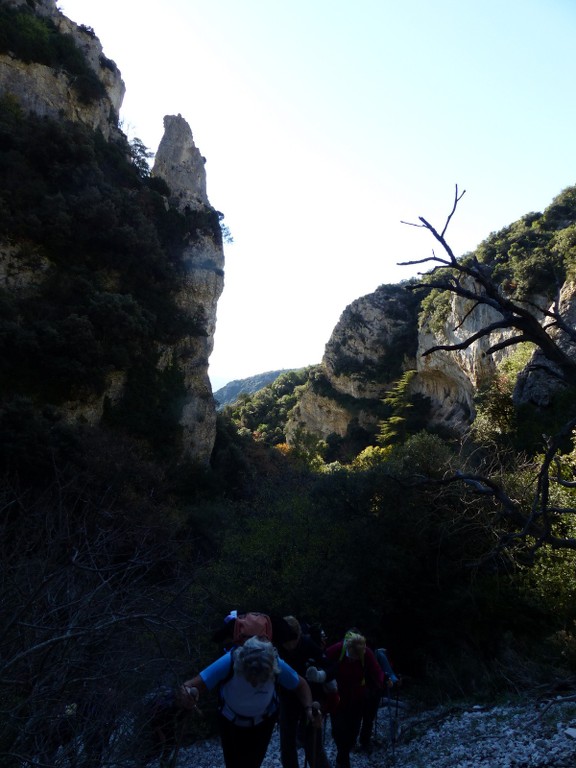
244,703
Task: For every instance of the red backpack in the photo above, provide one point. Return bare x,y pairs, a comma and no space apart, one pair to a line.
250,625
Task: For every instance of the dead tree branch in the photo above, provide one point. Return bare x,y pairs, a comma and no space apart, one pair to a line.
526,321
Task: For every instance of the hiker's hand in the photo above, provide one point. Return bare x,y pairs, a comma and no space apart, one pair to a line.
314,675
190,696
314,715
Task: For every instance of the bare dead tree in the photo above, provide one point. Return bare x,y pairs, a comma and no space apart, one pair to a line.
519,315
546,328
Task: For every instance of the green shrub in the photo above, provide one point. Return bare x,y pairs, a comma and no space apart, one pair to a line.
32,38
107,262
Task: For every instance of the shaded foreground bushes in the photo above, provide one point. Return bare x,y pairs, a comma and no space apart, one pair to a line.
114,575
412,564
99,607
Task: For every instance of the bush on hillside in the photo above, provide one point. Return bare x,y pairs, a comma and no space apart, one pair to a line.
32,38
103,258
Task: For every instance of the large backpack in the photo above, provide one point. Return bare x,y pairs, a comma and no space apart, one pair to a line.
252,625
224,703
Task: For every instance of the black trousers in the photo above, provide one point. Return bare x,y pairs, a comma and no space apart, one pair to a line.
245,747
369,712
346,722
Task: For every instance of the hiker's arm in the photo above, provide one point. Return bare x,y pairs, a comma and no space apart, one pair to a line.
206,680
191,691
304,695
374,670
382,659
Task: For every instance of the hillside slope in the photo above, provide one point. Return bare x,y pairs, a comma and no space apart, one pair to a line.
228,394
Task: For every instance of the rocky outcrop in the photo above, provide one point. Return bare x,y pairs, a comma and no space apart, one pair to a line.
378,338
450,379
541,379
181,165
320,415
47,91
373,343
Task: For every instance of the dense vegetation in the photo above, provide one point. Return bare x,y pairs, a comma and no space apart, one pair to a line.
32,38
229,393
117,561
264,414
102,254
532,256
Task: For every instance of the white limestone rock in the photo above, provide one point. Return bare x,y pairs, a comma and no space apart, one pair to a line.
179,163
46,91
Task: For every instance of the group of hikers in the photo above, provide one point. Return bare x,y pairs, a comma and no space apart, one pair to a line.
279,671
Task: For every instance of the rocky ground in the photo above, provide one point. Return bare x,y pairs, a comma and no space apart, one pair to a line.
531,735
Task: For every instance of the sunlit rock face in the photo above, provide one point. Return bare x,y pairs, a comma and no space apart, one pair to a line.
538,382
373,343
180,164
379,337
46,91
449,379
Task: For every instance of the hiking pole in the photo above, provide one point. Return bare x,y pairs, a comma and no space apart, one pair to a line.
316,735
375,735
392,724
173,761
396,731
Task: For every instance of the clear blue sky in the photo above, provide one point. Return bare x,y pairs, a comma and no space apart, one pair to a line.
325,123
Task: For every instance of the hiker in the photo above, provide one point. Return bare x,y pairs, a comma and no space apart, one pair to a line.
357,670
247,678
372,701
309,660
316,632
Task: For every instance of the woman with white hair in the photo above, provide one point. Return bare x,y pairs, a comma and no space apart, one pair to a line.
247,678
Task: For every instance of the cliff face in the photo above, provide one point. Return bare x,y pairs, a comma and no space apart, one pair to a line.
534,384
373,343
378,337
195,261
45,90
526,261
181,165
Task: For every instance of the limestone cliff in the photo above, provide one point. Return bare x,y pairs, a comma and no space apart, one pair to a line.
50,91
181,165
378,337
194,261
373,343
535,385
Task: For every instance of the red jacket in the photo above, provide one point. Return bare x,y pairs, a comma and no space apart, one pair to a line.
355,677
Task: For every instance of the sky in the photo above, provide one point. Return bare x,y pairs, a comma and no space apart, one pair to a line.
325,124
